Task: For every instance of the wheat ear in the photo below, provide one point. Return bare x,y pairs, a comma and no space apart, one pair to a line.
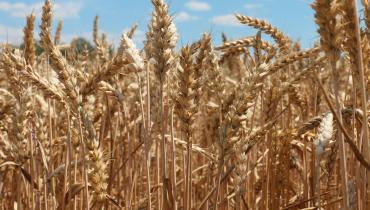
29,42
325,134
58,62
162,37
280,38
58,33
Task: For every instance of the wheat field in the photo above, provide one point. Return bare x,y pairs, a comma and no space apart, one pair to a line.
248,124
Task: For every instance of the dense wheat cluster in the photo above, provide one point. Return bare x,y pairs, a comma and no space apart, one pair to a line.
248,124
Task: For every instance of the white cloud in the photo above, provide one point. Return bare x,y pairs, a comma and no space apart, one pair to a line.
61,10
226,20
67,10
11,35
253,6
185,17
198,6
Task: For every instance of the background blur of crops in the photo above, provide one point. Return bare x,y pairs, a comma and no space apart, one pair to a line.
248,124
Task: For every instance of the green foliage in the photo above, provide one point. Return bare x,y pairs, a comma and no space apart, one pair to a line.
79,44
38,47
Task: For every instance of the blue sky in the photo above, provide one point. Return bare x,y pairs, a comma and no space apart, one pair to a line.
192,17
